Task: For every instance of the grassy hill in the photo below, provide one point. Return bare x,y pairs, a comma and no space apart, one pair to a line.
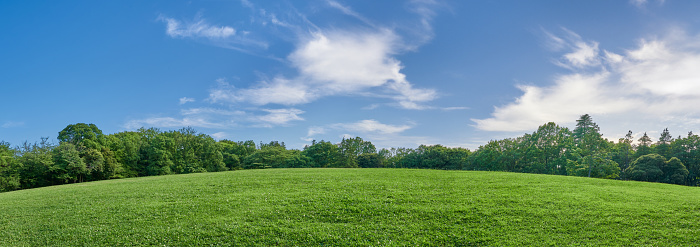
352,207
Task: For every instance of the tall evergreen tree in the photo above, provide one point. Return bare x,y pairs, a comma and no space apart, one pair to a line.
663,146
587,135
644,146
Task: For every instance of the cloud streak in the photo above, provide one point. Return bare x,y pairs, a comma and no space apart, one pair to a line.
196,29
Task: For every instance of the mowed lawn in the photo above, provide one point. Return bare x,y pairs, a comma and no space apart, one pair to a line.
367,207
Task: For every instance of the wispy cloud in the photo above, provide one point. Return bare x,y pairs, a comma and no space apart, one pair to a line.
206,111
275,117
220,135
655,81
185,100
12,124
277,91
348,11
381,134
372,126
196,29
581,54
169,122
643,3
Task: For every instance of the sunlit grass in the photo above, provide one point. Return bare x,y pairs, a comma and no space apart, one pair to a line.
352,207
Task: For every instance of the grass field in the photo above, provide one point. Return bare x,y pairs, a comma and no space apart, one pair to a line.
352,207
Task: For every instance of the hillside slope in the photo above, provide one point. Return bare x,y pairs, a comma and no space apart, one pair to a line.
352,207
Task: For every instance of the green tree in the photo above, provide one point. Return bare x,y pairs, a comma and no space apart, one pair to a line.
322,154
663,146
36,163
688,151
587,135
297,160
269,157
549,146
623,152
127,150
644,146
82,136
647,168
9,168
674,172
597,166
68,166
351,148
158,157
369,160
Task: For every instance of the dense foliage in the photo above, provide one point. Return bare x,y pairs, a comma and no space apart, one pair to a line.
84,153
584,152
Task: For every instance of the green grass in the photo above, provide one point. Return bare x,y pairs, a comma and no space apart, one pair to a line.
372,207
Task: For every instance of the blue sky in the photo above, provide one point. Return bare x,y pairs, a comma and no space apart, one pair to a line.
397,73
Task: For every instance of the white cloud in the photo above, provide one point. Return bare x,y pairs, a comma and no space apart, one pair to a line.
345,61
220,135
279,117
12,124
211,111
380,134
348,11
582,54
314,130
169,122
334,63
652,86
643,3
454,108
368,126
372,126
638,3
278,91
185,100
199,28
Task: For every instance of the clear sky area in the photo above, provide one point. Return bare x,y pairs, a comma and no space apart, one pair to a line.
396,73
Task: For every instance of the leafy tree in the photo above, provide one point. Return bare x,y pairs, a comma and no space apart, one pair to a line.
597,166
392,157
210,155
674,171
549,146
127,150
68,166
436,157
688,151
622,152
158,158
322,154
36,163
269,157
297,160
95,164
647,168
234,152
369,160
82,136
351,148
9,168
496,155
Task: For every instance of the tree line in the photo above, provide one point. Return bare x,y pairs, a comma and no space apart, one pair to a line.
553,149
84,153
